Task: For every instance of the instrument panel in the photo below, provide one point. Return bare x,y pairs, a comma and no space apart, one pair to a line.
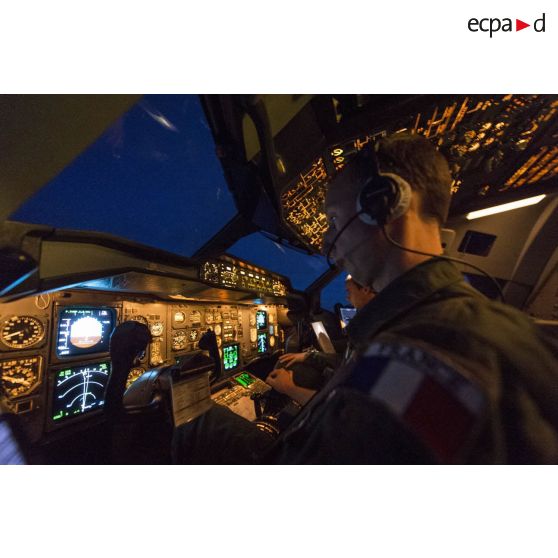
54,356
20,332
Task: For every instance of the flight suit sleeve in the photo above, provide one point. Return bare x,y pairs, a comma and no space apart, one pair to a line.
351,429
397,403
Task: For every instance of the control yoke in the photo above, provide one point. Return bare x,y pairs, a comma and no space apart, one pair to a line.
127,342
208,342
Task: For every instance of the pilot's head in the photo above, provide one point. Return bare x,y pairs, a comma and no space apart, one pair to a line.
362,249
358,295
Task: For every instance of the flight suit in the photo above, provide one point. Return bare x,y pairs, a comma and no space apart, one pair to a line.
438,374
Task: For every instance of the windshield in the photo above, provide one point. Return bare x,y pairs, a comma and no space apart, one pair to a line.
153,178
299,267
335,293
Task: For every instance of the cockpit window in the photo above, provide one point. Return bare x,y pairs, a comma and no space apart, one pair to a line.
335,293
299,267
153,178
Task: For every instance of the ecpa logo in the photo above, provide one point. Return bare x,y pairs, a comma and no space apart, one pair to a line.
494,24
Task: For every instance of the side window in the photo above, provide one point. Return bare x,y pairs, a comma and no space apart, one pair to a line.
334,293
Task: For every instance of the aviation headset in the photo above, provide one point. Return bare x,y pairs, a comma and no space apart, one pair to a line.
384,196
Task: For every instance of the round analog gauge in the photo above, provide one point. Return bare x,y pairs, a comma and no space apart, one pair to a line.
272,341
20,332
208,318
253,334
133,375
252,319
20,376
156,329
217,317
194,334
217,329
140,319
179,340
179,317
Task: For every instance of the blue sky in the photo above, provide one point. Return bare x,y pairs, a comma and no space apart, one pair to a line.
154,178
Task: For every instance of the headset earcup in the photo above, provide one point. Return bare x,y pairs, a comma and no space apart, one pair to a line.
383,198
402,199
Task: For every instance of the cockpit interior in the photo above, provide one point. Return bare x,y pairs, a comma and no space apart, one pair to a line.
201,219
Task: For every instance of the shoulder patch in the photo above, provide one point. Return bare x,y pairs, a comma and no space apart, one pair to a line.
431,396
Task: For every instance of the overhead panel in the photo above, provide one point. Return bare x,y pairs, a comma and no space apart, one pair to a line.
496,146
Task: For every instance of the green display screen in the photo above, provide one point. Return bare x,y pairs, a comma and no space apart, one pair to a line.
244,379
231,356
262,342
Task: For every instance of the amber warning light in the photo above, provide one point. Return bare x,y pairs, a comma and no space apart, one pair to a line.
492,25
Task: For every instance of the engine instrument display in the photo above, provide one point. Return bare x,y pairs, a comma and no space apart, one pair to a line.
84,331
231,356
20,332
79,390
262,342
261,319
20,376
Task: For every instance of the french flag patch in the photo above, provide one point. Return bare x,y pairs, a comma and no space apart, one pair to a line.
431,396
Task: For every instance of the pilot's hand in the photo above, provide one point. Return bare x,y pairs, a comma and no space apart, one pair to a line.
281,380
288,359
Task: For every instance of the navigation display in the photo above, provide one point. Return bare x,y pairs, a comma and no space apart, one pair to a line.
231,356
83,331
262,342
79,390
261,319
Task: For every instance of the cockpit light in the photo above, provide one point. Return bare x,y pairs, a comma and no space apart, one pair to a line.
504,207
